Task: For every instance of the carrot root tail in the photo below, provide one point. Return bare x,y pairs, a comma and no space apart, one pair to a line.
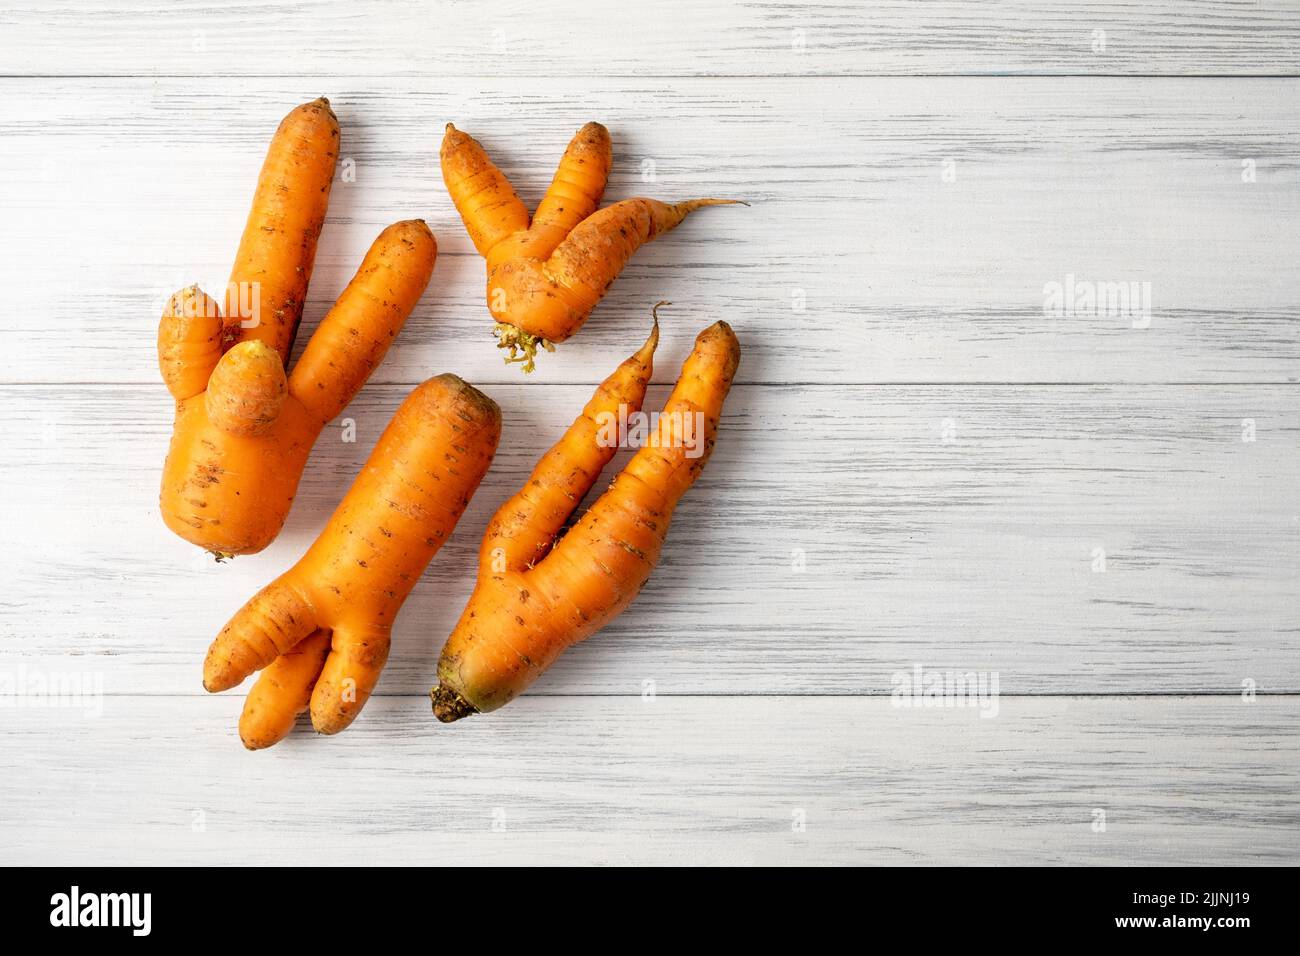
449,706
692,204
522,345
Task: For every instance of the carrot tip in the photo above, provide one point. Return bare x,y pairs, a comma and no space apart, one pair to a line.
449,706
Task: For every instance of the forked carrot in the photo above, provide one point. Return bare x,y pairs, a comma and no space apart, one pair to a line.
545,276
538,594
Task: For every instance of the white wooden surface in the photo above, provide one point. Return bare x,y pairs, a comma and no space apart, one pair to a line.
918,466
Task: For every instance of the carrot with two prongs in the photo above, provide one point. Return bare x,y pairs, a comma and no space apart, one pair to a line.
536,596
322,629
545,275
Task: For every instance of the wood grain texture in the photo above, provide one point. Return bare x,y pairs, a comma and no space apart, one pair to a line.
676,38
857,262
669,780
955,527
920,466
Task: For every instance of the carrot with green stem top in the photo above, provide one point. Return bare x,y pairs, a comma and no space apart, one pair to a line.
545,275
537,593
321,630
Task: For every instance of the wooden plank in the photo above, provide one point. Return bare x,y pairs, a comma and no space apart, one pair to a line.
682,37
857,263
954,527
668,780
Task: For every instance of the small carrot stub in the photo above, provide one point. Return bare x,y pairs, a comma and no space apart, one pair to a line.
190,342
321,630
545,276
247,389
536,596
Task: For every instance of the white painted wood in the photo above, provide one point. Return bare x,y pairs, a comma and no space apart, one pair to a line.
673,780
655,38
976,552
950,462
119,192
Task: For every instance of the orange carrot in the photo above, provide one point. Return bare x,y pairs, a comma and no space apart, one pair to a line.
241,440
545,277
321,630
536,596
268,283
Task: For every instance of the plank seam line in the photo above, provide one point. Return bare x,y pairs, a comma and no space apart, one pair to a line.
1151,695
773,383
986,75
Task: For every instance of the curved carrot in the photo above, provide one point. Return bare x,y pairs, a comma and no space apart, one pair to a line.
488,204
238,448
278,248
353,580
535,597
545,277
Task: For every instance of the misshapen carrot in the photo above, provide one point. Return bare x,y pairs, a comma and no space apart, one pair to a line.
321,630
243,427
535,596
545,276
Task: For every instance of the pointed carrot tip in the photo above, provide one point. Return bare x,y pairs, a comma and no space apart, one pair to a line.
646,352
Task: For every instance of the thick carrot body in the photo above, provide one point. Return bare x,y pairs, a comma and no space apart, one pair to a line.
525,610
230,493
353,580
278,248
238,448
